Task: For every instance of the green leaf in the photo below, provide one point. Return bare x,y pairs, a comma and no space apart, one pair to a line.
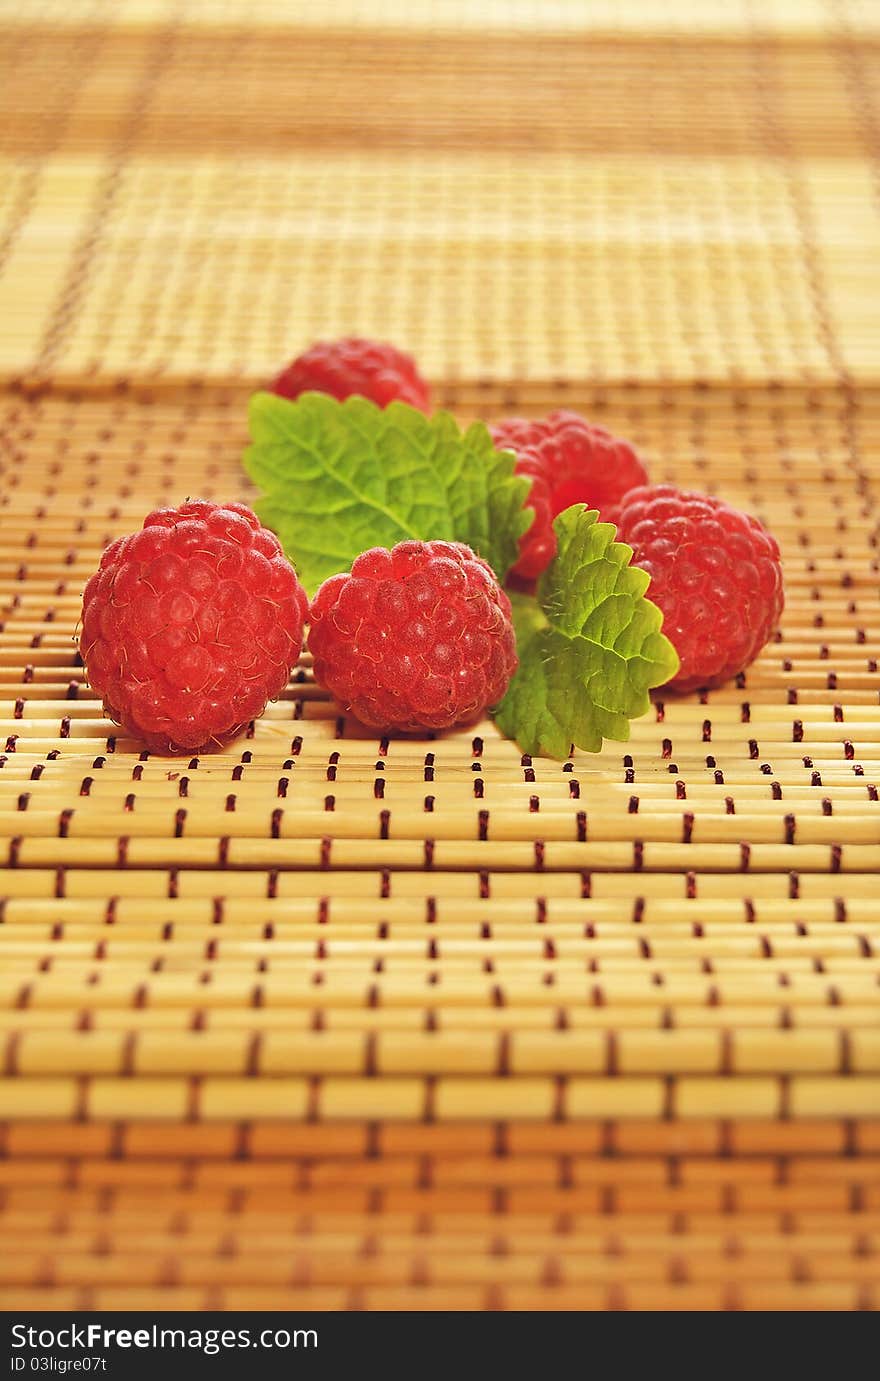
590,646
338,478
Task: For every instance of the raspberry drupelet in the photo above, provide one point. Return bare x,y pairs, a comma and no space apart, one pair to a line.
419,637
715,573
568,461
373,369
191,625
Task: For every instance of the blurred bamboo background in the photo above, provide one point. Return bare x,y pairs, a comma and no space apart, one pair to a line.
329,1021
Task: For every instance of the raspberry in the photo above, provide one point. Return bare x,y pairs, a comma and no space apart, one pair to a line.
191,625
352,365
568,460
419,637
715,573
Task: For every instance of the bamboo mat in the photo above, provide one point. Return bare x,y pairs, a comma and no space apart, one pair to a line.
327,1021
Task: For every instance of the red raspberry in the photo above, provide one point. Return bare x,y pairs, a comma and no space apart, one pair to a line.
190,625
419,637
568,460
715,573
352,365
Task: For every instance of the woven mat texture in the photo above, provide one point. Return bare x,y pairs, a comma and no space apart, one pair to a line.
326,1021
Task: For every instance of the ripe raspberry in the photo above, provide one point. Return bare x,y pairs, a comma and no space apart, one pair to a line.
715,573
419,637
191,625
352,365
568,460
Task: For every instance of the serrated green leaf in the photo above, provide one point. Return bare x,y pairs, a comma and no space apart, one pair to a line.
339,477
497,524
590,646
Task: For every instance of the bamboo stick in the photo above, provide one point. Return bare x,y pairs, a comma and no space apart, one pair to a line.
468,1051
341,1098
